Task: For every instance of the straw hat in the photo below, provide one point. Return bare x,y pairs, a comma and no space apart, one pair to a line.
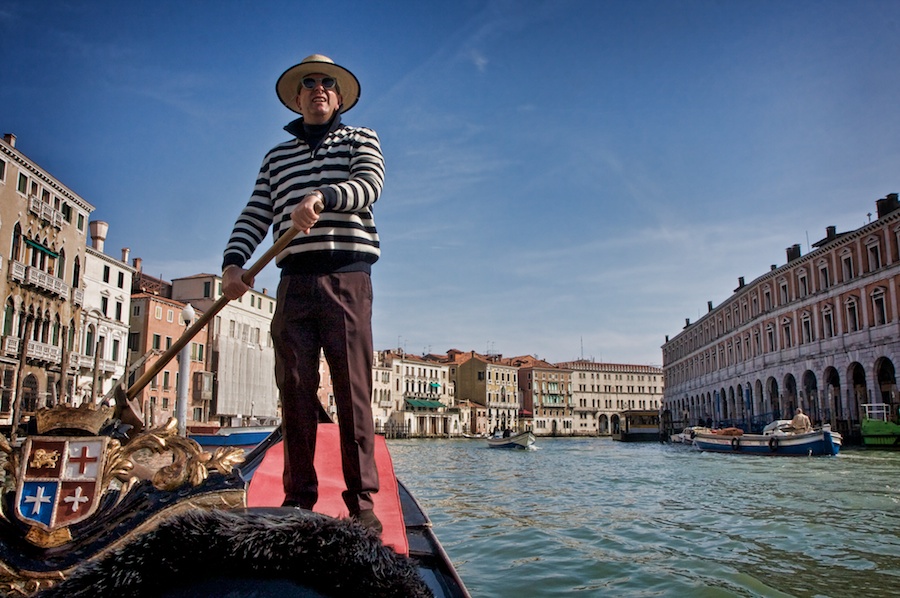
289,81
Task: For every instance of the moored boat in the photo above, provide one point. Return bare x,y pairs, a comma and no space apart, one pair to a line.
878,429
245,437
522,440
777,439
686,436
638,425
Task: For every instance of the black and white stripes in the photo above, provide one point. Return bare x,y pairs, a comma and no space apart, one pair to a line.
348,168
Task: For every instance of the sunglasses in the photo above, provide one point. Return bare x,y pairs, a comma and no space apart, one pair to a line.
311,82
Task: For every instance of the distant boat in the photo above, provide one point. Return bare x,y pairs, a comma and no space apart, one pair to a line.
522,440
638,425
777,439
245,437
686,436
877,428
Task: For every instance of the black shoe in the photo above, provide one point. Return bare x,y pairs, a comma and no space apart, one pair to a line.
296,504
368,519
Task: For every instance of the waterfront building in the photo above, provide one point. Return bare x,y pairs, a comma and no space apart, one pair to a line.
241,357
489,387
155,324
423,385
102,355
603,392
547,393
821,332
43,227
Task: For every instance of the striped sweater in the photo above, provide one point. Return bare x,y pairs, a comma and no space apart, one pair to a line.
348,168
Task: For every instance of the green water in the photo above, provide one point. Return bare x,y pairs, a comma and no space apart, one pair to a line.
602,518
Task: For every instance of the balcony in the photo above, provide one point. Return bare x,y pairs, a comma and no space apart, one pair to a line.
79,361
31,276
45,212
37,351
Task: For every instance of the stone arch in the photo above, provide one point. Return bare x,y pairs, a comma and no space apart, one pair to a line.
886,380
29,394
858,392
832,399
810,395
772,398
789,402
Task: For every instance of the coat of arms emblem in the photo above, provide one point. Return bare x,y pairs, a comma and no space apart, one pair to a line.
60,480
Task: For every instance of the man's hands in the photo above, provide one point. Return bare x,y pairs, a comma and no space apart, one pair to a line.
303,217
306,213
233,285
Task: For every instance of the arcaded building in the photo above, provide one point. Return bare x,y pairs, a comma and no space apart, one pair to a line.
820,332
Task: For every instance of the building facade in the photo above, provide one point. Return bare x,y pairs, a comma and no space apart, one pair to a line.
490,387
821,332
424,387
155,324
602,392
241,356
102,354
546,395
43,228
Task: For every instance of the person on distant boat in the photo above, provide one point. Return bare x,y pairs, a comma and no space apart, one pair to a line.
322,182
801,423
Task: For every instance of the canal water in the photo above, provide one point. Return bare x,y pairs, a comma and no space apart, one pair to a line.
604,518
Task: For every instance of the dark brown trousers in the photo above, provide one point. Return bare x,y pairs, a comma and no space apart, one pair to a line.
332,313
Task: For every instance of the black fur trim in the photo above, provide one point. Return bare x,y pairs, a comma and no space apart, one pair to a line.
331,556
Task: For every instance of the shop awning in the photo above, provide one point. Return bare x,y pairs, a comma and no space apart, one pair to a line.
425,403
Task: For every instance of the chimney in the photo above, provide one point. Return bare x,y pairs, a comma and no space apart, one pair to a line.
10,139
137,263
125,252
740,282
887,205
687,322
98,234
793,252
265,291
830,232
773,267
709,306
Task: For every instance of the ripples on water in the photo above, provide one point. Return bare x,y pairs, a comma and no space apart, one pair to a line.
607,518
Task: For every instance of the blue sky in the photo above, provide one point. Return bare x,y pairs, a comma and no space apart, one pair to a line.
564,178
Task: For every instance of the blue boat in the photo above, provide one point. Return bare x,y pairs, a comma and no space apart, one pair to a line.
777,440
245,437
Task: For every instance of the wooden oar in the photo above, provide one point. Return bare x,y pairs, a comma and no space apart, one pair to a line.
248,276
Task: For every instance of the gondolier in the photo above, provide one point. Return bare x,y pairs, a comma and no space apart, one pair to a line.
324,183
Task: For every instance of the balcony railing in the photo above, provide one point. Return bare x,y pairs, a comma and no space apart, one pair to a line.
45,211
29,275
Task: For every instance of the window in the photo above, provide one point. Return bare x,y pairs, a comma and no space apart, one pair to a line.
824,277
158,312
770,337
121,282
852,315
104,305
802,284
136,311
106,274
165,381
806,329
874,251
156,342
786,332
767,299
81,222
22,186
783,289
879,308
207,288
115,350
847,266
118,311
827,323
2,171
170,315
